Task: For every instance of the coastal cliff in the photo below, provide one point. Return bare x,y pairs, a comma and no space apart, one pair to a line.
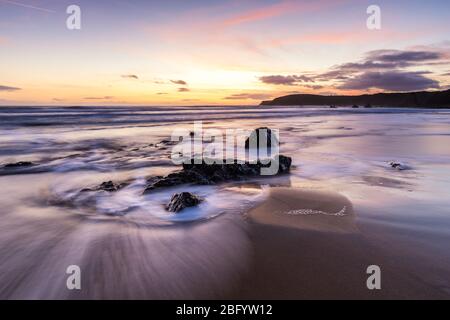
423,99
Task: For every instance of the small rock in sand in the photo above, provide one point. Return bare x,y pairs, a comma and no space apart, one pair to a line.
181,201
108,186
397,165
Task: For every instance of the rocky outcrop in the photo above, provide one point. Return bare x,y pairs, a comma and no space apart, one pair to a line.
181,201
204,173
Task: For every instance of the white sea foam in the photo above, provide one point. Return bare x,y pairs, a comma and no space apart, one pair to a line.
310,212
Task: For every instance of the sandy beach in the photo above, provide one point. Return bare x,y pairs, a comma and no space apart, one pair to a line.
309,233
320,256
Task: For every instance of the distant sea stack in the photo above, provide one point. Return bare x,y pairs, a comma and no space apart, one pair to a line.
422,99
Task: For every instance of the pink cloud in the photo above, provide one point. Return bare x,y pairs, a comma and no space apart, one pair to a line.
279,9
196,22
261,13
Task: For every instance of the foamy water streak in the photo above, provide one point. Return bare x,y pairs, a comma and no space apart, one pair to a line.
310,212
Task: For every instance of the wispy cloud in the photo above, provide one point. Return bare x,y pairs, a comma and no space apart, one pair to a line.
403,55
8,88
314,86
285,80
99,98
130,76
183,90
261,13
392,59
28,6
279,9
246,96
189,100
180,82
390,81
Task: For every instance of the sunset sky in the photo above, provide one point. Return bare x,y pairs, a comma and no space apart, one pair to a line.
217,52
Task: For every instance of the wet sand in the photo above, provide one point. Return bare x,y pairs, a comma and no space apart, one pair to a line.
320,256
296,244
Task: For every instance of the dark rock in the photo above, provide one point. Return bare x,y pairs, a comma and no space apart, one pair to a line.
153,179
20,164
284,164
108,186
204,173
181,201
261,134
166,142
397,165
355,106
178,178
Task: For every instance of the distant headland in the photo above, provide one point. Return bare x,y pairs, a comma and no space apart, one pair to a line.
422,99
